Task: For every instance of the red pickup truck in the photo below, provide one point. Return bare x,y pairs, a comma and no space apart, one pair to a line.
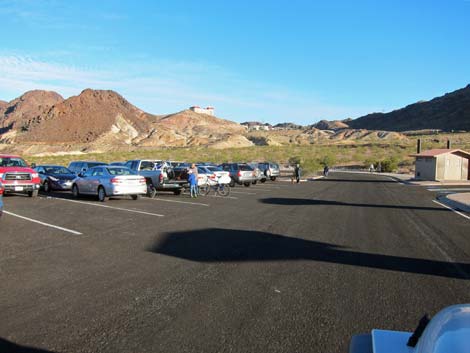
16,176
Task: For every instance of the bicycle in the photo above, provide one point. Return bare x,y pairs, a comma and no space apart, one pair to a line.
219,189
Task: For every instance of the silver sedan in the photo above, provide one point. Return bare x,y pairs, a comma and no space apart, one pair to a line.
109,181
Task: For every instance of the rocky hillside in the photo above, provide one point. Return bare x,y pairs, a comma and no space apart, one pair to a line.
98,120
19,114
448,112
330,125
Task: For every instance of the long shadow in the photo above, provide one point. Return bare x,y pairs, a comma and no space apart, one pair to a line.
328,179
228,245
313,202
10,347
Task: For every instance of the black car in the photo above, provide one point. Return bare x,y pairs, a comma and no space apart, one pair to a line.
55,177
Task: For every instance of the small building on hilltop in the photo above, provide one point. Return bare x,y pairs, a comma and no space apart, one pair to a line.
442,164
207,110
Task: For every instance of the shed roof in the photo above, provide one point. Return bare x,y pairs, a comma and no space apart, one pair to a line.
438,151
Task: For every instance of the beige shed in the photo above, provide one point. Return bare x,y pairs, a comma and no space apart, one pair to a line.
442,164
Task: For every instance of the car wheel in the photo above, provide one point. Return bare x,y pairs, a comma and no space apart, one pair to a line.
75,192
47,186
151,191
273,178
102,194
232,183
247,184
263,180
254,182
33,193
135,197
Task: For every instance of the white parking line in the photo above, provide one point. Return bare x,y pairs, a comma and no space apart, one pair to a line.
450,208
222,197
177,201
243,192
42,223
105,206
448,190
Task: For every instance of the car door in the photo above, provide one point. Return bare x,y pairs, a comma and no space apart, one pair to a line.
83,182
95,179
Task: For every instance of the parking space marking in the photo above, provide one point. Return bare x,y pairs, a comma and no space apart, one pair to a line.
177,201
110,207
448,190
452,209
243,192
222,197
42,223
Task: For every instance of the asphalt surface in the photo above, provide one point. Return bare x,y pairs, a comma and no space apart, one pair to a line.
274,268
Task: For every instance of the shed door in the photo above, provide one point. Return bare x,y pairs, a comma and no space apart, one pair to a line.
453,167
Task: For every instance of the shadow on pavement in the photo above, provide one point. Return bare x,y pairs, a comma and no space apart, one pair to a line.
10,347
313,202
356,180
228,245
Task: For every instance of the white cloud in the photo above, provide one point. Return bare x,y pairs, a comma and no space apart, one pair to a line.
165,87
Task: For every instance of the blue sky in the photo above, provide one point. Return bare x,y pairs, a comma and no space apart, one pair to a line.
265,60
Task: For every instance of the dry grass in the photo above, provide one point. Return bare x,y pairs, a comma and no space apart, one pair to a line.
311,157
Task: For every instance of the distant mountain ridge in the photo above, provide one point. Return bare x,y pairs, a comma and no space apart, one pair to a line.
448,112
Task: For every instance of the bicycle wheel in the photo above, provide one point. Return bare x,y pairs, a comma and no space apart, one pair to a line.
223,190
204,189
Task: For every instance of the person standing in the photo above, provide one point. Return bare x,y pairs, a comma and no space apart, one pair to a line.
193,169
326,170
297,171
192,184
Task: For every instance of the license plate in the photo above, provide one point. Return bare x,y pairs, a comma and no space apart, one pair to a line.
18,188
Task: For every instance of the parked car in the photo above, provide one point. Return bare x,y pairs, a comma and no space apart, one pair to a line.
119,164
109,181
16,176
55,177
2,189
241,173
271,170
448,331
217,174
259,174
159,176
82,166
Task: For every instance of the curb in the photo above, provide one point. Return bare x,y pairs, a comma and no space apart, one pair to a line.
459,206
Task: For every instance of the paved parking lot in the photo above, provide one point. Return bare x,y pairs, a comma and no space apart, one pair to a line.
274,267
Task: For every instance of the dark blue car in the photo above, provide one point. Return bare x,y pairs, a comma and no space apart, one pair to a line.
55,177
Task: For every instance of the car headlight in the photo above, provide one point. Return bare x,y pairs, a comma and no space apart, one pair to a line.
35,175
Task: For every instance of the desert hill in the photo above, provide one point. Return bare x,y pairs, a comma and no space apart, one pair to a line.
19,114
330,125
448,112
41,122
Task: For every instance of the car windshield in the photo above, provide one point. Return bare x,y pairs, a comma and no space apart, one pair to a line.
12,162
274,165
120,171
245,167
215,169
57,170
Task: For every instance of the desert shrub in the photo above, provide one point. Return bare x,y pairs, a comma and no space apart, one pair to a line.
389,165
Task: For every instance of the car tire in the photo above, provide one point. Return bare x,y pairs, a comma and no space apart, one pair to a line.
247,185
151,191
33,193
254,182
75,191
273,178
47,186
135,197
232,183
263,180
102,194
